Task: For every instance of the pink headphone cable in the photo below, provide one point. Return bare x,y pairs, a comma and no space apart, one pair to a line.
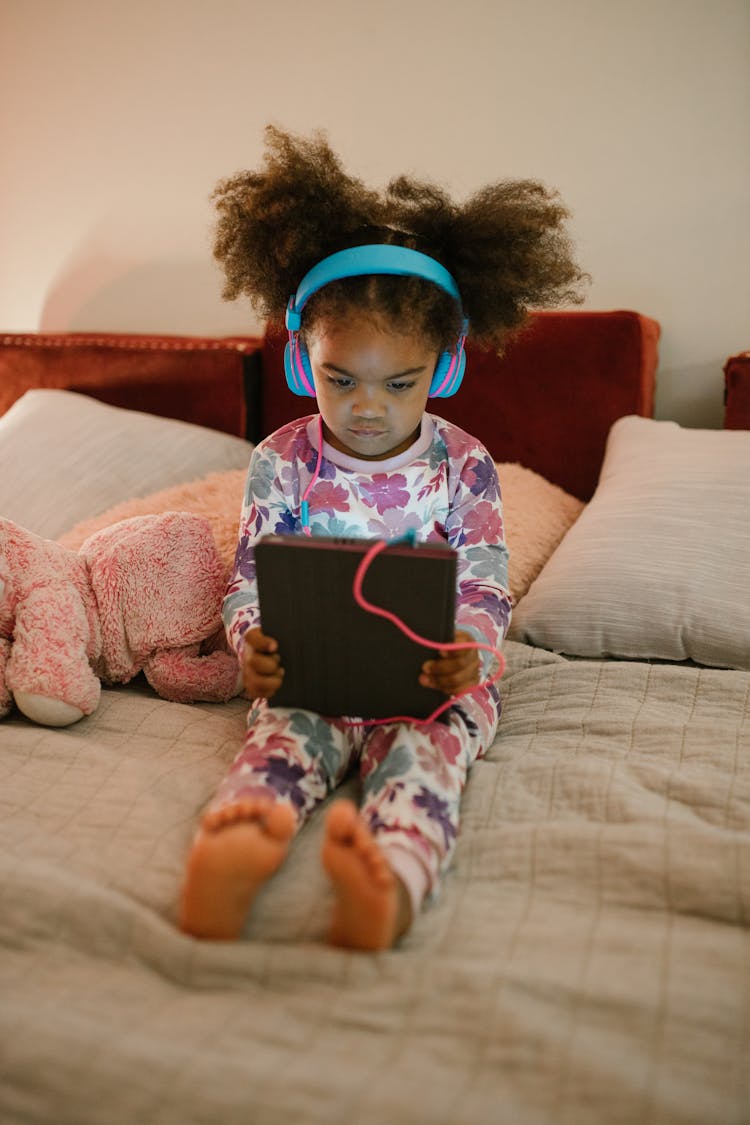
452,646
304,508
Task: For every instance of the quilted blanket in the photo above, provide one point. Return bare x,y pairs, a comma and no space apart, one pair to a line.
587,961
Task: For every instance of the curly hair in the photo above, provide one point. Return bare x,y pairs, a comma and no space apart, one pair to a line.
506,246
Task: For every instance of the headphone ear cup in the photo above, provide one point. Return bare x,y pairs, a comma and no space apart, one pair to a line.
440,375
449,373
299,377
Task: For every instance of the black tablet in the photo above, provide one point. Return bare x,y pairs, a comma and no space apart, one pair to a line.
339,659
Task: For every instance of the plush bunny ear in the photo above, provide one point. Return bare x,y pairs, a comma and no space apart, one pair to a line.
159,582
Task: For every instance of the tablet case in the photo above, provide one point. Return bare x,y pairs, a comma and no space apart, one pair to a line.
339,659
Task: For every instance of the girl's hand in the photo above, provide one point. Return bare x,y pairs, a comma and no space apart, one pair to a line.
453,672
261,666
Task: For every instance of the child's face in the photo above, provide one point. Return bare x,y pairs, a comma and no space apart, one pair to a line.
371,385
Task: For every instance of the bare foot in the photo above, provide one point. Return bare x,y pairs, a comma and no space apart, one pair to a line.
372,908
236,850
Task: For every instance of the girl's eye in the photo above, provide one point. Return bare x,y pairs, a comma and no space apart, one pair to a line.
400,386
341,382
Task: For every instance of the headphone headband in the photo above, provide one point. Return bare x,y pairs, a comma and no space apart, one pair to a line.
380,258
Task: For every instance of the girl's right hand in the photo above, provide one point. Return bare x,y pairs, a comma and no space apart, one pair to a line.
262,673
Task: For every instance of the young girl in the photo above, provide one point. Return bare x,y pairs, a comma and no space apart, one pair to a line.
372,464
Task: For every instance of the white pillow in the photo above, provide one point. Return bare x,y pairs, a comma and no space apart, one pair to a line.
64,457
658,564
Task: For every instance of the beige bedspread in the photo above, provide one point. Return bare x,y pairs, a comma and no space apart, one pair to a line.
587,962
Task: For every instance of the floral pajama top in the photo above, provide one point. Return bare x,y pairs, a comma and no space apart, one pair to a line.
444,487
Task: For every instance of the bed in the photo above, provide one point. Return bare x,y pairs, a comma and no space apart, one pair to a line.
588,959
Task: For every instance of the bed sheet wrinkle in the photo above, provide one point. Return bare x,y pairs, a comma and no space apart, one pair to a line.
379,1037
587,943
142,1034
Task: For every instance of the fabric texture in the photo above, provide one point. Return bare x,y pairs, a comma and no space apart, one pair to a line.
193,378
443,489
658,565
142,595
412,777
586,961
85,456
536,515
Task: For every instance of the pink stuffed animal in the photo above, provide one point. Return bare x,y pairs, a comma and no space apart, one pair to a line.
143,594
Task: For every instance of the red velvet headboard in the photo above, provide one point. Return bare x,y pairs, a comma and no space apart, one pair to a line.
193,378
548,402
737,392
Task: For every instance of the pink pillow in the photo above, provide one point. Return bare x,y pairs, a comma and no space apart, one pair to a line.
537,515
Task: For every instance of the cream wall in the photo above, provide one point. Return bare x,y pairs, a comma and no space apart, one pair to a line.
117,118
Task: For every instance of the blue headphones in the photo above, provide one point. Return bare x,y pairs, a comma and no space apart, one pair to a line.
382,258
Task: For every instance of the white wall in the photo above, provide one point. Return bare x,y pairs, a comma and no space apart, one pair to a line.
117,118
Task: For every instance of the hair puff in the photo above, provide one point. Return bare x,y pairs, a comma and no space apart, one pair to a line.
506,245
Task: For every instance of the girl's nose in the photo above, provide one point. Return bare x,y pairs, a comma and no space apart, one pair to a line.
367,402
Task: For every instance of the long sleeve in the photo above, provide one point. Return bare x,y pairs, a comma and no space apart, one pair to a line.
266,509
475,530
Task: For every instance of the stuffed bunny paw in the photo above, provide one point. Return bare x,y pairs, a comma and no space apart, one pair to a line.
48,712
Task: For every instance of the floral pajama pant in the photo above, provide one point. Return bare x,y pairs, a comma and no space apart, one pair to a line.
412,776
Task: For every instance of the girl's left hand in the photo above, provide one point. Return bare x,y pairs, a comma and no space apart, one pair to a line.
453,671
